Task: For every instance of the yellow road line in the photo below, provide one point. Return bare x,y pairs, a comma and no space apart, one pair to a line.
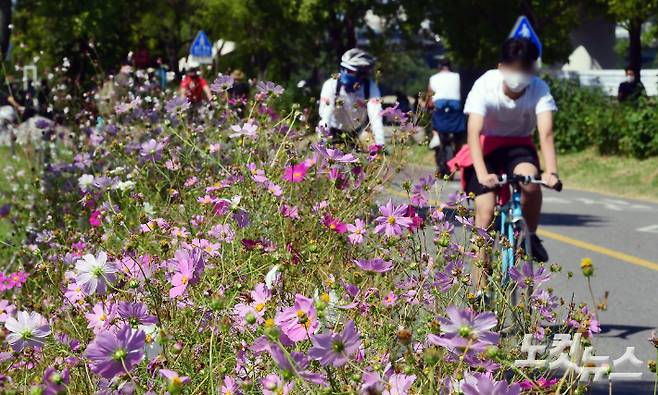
598,249
633,260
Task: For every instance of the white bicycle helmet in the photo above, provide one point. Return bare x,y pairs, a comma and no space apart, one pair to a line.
357,59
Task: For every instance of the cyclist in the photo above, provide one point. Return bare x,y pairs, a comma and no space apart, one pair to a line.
504,107
193,86
447,119
349,103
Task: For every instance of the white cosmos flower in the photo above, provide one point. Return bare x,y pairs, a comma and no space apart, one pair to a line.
93,273
27,329
85,181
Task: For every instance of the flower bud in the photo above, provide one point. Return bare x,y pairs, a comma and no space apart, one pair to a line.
250,318
586,266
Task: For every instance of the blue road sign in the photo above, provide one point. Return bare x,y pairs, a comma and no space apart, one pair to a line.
201,47
523,29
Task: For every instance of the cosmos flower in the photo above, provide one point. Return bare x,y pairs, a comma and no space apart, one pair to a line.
174,380
399,384
151,150
246,130
135,314
392,220
527,277
94,273
189,267
295,173
275,385
481,384
27,329
6,310
222,83
112,354
357,231
335,348
375,265
55,381
334,224
299,321
101,316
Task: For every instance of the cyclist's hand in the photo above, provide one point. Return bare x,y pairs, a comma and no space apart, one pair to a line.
550,179
488,180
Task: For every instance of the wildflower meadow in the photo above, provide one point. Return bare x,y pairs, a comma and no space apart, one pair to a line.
225,249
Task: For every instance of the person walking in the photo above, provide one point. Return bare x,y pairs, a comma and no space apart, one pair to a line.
448,123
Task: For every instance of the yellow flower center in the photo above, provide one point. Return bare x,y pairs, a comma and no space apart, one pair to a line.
184,280
177,380
296,174
260,307
332,226
325,297
103,317
391,220
301,314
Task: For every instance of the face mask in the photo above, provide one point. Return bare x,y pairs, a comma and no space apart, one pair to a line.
515,81
630,78
349,81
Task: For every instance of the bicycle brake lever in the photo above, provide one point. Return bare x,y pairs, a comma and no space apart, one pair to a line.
558,186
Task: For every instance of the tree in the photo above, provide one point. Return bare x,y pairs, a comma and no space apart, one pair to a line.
633,14
475,29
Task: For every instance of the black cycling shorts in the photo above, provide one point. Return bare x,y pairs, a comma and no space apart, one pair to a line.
501,161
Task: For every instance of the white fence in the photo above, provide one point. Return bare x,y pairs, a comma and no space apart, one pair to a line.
610,79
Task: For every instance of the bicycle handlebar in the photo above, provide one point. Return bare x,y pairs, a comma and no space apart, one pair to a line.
516,178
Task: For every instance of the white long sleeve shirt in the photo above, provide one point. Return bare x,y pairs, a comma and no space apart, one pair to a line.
352,111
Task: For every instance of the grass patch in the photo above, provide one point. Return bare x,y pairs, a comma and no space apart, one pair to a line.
629,177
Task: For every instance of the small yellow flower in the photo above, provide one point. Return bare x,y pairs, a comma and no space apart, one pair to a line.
587,267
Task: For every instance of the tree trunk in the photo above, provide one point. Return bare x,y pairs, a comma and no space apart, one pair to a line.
5,21
635,46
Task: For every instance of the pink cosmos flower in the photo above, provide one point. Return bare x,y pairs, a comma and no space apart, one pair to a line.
101,317
291,212
299,321
399,384
256,308
74,292
334,224
175,380
357,231
6,310
392,219
389,299
189,266
229,386
478,383
375,265
257,175
335,348
295,173
274,189
275,385
223,233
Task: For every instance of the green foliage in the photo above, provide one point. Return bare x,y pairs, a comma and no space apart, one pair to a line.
488,24
588,118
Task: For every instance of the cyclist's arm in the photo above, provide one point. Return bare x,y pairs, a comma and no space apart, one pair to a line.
374,107
545,128
327,102
206,91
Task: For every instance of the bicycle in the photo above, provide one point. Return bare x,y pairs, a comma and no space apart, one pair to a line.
512,224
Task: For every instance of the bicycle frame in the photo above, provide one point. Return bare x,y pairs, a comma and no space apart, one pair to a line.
510,217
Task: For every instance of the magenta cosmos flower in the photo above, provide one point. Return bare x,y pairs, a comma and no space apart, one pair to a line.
527,277
392,220
334,224
295,173
335,348
299,321
27,329
111,354
375,265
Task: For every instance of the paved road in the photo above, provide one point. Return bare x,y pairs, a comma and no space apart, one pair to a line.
621,237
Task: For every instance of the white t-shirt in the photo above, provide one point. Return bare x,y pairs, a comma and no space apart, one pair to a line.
446,85
504,116
352,110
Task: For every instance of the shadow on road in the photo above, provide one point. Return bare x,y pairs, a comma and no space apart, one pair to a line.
563,219
622,331
624,388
